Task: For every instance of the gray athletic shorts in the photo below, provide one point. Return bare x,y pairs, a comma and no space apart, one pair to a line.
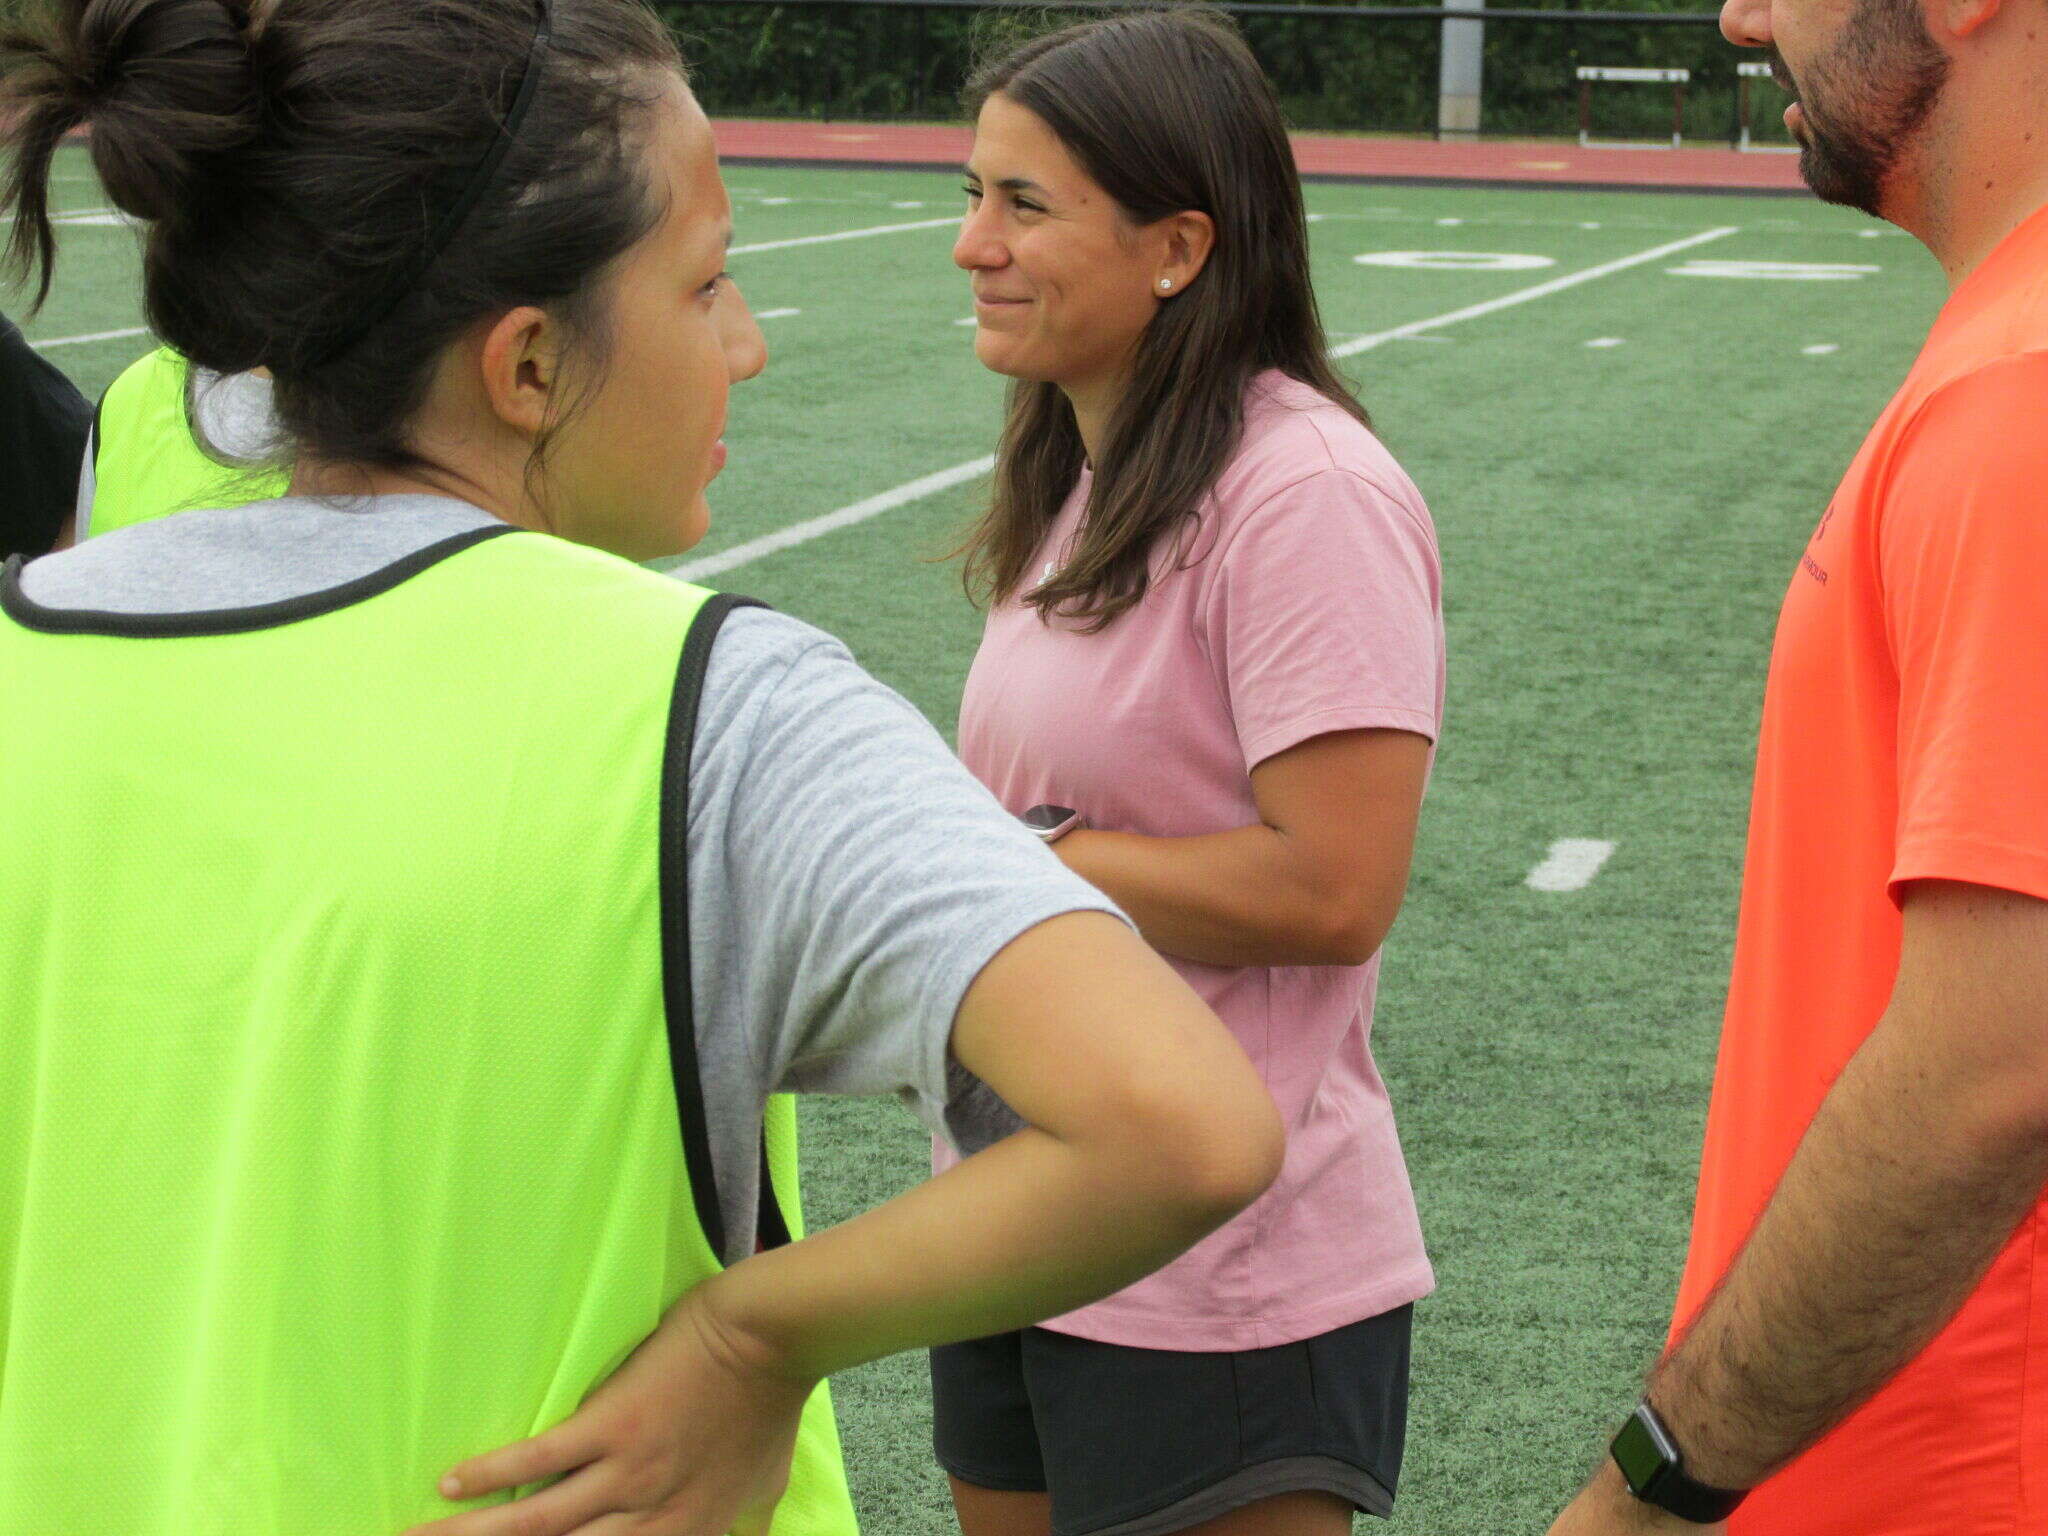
1144,1442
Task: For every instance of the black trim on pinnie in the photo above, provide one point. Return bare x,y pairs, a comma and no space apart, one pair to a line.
677,996
773,1231
30,614
99,415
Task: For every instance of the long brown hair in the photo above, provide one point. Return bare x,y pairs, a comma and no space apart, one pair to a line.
1169,112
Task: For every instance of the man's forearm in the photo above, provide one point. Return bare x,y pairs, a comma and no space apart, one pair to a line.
1900,1196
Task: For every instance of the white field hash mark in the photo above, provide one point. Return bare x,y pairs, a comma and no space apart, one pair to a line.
1571,866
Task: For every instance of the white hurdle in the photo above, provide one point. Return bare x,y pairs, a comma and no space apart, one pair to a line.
1677,79
1744,73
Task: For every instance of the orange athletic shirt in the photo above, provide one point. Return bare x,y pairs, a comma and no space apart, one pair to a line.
1905,736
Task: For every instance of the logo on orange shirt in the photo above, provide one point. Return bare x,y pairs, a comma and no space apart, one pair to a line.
1807,563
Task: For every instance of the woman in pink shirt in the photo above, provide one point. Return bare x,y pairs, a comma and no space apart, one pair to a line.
1215,636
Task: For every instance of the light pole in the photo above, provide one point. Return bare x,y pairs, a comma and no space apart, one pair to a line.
1458,80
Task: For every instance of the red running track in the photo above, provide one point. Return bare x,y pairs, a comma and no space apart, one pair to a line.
1320,156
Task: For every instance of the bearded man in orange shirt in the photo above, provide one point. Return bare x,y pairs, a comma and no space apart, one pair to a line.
1861,1342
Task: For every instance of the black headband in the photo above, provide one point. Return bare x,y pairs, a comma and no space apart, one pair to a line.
480,182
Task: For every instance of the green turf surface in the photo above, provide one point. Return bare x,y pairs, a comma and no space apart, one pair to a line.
1618,524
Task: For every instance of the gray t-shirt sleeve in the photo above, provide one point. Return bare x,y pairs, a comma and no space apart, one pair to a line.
849,880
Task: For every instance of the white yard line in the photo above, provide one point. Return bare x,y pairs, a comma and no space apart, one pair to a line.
831,522
68,215
1524,295
72,341
1571,866
843,234
738,250
974,469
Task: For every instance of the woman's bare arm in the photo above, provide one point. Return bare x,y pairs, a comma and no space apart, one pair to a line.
1317,881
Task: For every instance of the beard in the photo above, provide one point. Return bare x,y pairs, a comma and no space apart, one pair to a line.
1865,100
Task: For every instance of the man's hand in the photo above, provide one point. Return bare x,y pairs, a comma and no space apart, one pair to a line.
690,1437
1607,1508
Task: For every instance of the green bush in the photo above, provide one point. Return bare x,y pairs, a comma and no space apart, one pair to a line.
1373,74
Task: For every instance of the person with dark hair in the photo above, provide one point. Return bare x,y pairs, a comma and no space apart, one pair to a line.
413,915
44,422
1213,672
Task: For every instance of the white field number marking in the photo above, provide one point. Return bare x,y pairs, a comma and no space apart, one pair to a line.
1456,261
1571,866
1777,271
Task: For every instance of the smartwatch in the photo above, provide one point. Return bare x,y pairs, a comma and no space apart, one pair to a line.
1649,1460
1051,822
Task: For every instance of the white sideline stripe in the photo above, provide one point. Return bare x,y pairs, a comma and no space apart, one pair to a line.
776,314
844,234
72,341
1572,864
831,522
1524,295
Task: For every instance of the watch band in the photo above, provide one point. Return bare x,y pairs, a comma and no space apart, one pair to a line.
1649,1459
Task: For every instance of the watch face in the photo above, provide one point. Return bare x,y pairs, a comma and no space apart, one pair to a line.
1641,1453
1044,818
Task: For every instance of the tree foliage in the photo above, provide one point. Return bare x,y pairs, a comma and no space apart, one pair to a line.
755,57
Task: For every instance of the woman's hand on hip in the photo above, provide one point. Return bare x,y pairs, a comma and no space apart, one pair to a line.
692,1436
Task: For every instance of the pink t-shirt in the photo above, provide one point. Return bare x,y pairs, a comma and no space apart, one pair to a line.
1308,601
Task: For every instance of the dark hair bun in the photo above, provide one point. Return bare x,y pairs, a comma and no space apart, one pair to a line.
167,85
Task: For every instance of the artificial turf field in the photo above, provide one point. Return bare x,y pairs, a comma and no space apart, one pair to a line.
1623,470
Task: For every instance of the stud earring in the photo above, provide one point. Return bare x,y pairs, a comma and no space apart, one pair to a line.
1166,285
